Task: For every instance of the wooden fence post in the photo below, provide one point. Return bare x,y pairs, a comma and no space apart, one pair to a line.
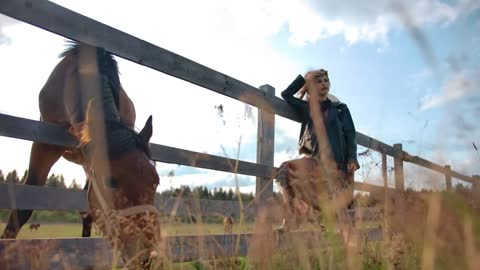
265,148
384,171
476,184
448,178
398,164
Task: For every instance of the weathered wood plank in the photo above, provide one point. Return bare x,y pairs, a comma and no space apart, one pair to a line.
32,130
43,254
462,177
79,253
435,167
57,199
375,144
384,170
423,163
42,198
398,167
448,178
174,155
265,148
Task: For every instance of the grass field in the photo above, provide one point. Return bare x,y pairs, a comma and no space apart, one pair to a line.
62,230
427,230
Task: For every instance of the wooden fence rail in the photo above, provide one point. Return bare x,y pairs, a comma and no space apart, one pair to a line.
54,18
81,253
61,199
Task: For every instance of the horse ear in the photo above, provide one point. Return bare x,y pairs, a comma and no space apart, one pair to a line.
147,130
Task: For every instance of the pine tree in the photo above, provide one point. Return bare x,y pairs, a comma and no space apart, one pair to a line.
2,178
230,194
61,181
52,181
12,177
24,177
74,185
205,193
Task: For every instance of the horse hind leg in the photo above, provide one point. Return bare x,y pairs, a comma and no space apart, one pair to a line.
42,158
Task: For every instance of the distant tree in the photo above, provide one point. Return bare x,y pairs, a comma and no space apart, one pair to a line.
247,196
205,193
74,185
230,194
202,192
24,177
2,178
56,181
461,188
52,180
221,194
61,181
12,177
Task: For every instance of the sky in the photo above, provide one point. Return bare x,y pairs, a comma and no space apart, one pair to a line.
408,70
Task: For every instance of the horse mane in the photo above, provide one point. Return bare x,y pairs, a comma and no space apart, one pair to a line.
107,66
120,137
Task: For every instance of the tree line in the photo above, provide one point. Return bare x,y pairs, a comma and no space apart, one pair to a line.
201,192
54,180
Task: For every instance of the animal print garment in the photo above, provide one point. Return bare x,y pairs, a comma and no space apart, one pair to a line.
306,180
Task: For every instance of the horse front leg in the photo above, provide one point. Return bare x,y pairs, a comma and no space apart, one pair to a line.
42,158
87,219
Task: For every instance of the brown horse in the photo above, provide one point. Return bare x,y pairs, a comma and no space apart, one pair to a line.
34,226
228,224
84,94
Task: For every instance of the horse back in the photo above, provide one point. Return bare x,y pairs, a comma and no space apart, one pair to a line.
60,100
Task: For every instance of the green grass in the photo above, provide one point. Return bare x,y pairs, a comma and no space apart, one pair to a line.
53,230
63,230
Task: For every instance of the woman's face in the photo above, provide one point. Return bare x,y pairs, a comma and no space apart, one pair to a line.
321,83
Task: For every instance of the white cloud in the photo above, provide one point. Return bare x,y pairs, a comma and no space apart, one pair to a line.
5,22
370,21
308,21
460,84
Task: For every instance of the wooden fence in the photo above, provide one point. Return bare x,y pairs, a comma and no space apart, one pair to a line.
54,18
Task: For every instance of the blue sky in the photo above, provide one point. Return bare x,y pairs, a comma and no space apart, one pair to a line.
416,85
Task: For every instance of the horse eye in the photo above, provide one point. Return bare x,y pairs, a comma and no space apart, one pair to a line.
112,183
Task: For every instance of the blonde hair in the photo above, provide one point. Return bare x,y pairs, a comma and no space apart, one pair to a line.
303,92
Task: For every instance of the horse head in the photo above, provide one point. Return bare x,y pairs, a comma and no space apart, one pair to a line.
122,179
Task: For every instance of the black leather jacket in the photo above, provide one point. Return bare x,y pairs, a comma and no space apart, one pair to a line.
340,128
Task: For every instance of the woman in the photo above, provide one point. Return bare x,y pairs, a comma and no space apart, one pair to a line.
324,175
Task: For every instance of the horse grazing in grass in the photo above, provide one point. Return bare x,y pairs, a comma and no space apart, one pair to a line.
84,94
34,226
